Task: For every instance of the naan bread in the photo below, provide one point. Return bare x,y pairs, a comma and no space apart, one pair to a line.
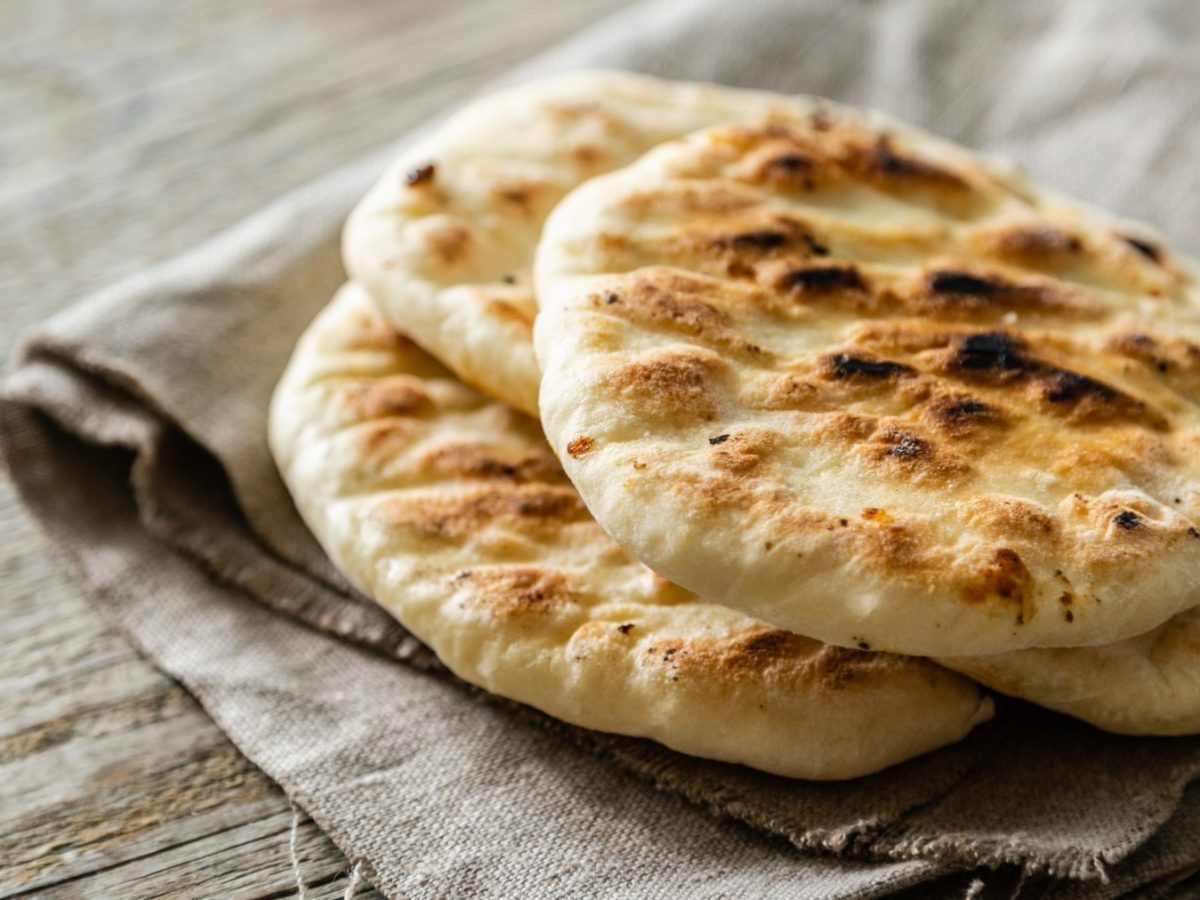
450,510
850,379
445,241
1149,684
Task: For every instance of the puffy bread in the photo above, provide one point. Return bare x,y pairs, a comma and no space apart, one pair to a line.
445,241
856,382
450,510
1149,684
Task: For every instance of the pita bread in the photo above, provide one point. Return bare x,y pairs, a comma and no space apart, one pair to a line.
1149,684
853,381
450,510
444,242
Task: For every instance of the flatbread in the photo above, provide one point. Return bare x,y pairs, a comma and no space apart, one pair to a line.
856,382
1149,684
451,511
444,242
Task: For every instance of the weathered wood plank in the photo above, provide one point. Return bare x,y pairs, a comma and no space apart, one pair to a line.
162,138
262,849
130,134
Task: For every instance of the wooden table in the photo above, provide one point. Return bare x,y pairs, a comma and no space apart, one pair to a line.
129,131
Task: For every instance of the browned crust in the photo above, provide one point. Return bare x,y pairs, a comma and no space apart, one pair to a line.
394,396
1005,578
744,453
793,158
448,241
670,384
972,343
788,660
1037,245
367,330
580,446
669,301
523,508
476,460
500,308
512,592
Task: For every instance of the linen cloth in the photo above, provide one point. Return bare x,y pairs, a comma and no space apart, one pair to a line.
134,428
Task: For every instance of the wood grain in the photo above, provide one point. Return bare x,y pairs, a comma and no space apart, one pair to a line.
130,132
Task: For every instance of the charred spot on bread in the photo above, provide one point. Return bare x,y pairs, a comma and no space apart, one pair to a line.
1150,251
423,174
1128,520
852,365
822,279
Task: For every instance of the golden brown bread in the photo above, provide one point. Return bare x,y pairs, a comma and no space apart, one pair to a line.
1148,684
444,242
450,510
857,382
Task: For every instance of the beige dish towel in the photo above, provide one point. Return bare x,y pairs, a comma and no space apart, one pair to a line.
134,428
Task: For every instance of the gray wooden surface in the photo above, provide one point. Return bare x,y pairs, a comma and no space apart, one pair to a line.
130,130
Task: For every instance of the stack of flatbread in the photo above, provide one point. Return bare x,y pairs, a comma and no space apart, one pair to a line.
769,429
